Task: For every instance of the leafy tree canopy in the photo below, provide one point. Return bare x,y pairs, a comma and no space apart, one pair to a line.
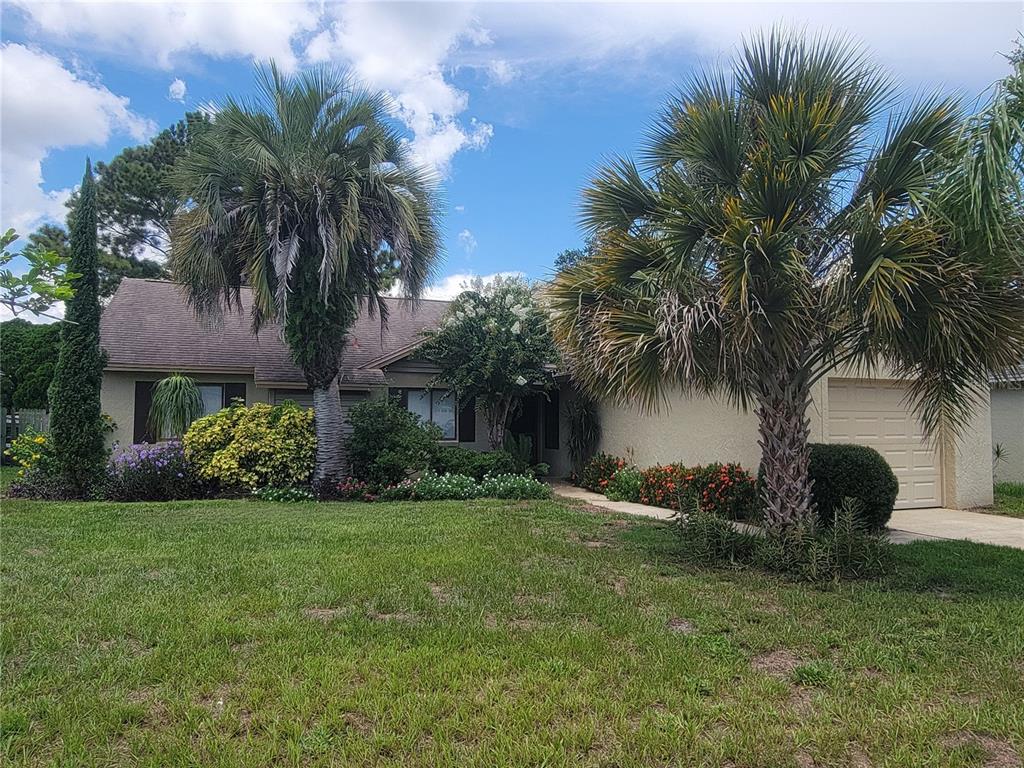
134,197
493,345
43,282
28,354
110,267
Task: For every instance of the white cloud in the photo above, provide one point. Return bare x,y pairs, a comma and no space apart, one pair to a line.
451,286
55,313
165,31
459,208
176,90
467,240
405,50
502,72
89,114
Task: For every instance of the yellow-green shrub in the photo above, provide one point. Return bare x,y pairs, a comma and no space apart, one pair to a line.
262,445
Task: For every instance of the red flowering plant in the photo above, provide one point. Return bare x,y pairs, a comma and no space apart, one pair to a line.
726,490
349,489
598,472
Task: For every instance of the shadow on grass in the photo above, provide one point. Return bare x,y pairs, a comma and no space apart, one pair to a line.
957,567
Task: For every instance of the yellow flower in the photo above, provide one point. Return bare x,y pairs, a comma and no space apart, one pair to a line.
40,440
35,457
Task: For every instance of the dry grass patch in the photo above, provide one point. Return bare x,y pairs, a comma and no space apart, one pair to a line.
780,663
995,752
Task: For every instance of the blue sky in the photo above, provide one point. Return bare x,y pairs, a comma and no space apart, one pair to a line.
512,104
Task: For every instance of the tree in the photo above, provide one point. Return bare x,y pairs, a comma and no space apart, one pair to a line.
111,268
176,403
785,225
44,282
136,200
28,355
570,257
493,345
75,397
297,194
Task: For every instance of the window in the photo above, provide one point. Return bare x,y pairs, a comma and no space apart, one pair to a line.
433,405
213,397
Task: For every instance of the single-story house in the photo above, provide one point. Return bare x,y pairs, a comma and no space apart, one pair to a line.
148,332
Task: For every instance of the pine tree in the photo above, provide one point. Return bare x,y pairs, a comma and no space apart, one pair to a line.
75,397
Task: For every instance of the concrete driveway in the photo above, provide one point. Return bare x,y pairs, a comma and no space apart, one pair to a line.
915,524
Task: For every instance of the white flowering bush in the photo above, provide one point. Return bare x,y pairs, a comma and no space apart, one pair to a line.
432,487
493,345
514,487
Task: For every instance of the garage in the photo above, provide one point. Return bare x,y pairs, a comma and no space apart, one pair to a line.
875,414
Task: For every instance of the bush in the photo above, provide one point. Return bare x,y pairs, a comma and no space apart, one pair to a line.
388,442
625,485
33,450
599,470
514,487
456,460
845,550
348,489
287,495
43,486
401,492
842,471
726,490
158,472
434,487
255,447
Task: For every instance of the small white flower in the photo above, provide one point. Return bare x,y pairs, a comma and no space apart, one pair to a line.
520,380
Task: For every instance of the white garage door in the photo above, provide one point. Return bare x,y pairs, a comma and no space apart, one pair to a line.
875,415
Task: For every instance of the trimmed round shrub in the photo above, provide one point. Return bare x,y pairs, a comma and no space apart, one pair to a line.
625,485
510,486
843,470
255,447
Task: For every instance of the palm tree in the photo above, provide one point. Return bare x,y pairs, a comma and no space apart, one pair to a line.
787,221
297,194
177,402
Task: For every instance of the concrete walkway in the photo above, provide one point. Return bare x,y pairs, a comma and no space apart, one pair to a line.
957,524
906,525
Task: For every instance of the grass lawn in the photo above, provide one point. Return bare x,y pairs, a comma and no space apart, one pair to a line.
483,634
1009,499
7,476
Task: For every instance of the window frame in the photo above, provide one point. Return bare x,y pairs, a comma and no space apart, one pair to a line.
406,391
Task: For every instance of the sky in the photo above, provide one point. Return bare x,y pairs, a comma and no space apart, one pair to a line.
512,105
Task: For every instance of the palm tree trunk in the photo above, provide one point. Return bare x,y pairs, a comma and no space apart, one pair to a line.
331,463
785,453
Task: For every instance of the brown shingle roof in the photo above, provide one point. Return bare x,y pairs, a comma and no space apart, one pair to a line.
149,326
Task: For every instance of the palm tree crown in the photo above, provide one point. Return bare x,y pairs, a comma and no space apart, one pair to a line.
783,224
302,194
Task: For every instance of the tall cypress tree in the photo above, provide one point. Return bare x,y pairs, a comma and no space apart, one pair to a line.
75,396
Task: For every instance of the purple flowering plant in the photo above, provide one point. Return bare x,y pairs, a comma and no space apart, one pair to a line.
151,472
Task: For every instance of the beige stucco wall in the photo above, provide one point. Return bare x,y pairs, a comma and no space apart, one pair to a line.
698,430
1008,431
693,430
117,396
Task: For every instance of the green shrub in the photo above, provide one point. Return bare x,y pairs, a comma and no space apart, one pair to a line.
42,486
625,485
513,487
157,472
599,470
726,490
709,539
401,492
262,445
455,460
388,442
842,471
434,487
349,489
844,550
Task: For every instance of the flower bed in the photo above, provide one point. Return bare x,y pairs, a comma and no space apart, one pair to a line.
726,490
598,472
157,472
